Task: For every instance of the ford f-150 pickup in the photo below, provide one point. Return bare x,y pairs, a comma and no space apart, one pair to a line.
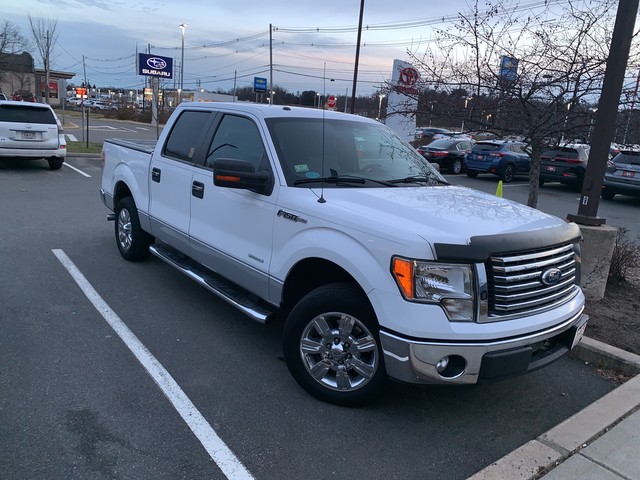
379,267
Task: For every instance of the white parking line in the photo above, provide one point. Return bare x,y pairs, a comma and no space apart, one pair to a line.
213,444
76,169
72,138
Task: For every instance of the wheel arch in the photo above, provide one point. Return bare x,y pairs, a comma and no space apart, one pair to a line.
120,191
309,274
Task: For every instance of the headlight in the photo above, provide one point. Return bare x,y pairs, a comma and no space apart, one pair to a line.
449,285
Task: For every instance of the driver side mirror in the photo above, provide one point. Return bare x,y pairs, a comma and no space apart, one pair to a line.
240,174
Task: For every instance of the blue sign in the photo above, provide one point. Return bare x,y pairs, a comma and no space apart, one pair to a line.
509,68
259,85
155,66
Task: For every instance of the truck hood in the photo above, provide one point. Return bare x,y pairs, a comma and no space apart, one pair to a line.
449,214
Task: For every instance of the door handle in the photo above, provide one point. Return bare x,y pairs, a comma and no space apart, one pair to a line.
155,175
197,189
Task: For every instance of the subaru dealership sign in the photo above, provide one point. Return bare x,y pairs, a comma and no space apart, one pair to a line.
155,66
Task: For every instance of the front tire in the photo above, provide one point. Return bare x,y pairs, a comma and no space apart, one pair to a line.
332,347
472,174
133,242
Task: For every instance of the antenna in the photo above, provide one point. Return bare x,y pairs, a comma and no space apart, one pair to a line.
321,199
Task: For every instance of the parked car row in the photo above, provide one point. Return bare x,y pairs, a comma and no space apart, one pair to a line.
92,104
506,159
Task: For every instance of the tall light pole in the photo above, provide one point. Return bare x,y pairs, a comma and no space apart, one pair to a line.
182,27
382,95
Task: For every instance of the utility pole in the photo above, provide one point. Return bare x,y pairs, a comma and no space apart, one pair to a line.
604,127
355,69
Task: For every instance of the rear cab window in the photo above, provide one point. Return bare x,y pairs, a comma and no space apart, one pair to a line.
187,135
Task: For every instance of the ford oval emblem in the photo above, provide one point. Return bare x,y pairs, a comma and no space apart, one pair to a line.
156,63
551,276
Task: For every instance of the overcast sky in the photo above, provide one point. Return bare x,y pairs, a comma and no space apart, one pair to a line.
228,41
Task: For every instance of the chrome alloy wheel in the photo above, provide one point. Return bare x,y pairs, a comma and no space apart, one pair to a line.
339,352
125,234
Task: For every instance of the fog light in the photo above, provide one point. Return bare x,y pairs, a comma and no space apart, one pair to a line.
451,366
441,366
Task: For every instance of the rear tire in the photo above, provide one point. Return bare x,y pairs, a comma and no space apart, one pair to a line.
509,173
133,242
332,346
456,167
607,194
472,174
55,163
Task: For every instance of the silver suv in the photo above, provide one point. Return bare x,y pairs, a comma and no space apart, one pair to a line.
31,130
622,175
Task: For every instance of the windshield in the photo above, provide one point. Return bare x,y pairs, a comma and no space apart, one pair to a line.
351,150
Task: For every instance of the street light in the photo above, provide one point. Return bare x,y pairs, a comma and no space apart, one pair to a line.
182,27
382,95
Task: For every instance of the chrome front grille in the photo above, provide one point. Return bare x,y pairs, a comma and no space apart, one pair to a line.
530,282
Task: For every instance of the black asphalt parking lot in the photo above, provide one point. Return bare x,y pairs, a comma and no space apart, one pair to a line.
77,403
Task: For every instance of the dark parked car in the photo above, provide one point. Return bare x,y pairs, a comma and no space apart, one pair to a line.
428,134
448,153
566,164
504,158
622,175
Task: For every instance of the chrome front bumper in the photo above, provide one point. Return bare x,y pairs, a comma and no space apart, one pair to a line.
473,362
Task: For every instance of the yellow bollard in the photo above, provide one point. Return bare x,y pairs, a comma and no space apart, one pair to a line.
499,189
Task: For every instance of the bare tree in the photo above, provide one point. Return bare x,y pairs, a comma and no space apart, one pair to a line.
522,72
11,43
45,35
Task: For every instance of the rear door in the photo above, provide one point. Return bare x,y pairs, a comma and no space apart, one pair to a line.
522,160
28,127
171,177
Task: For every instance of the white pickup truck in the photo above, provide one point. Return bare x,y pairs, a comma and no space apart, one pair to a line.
379,267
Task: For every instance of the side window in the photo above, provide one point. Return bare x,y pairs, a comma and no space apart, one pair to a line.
237,138
186,134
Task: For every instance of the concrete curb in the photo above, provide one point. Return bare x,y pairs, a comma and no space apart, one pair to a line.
538,456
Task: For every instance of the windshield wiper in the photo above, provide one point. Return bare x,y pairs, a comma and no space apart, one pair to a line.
332,179
344,179
419,179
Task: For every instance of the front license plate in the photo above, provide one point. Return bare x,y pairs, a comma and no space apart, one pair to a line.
551,168
28,135
579,334
627,173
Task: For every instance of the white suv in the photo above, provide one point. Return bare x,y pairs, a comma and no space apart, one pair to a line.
31,130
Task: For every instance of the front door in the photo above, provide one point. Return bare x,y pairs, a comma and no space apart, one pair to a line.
232,230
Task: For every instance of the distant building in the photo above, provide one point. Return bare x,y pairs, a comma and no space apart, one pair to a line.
17,72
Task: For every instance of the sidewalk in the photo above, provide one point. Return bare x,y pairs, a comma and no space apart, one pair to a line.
601,442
